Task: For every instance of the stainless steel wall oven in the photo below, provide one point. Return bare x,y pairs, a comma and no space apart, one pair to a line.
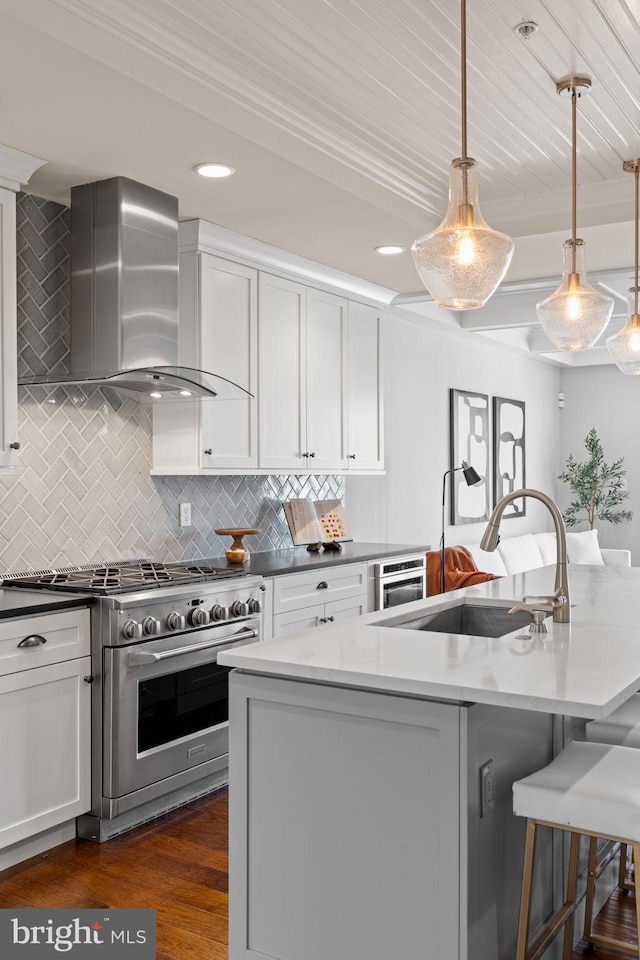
400,580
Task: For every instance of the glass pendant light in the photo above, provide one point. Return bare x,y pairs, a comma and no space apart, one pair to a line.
463,260
576,314
624,346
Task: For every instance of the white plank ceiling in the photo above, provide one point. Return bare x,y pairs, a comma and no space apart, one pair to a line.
341,116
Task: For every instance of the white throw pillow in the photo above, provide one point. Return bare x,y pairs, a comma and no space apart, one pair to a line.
583,547
547,546
520,553
489,561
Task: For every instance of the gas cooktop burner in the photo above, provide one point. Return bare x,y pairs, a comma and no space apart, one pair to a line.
121,577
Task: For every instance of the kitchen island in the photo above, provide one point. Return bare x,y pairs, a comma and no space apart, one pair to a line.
371,771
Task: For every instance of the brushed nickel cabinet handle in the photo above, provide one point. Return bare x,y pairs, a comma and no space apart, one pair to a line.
208,451
14,446
351,456
35,640
323,585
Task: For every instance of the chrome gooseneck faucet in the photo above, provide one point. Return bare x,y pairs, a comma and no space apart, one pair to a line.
559,602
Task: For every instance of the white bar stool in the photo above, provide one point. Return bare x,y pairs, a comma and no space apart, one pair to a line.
622,728
590,789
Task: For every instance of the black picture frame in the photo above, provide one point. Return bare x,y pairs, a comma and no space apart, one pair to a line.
509,453
469,441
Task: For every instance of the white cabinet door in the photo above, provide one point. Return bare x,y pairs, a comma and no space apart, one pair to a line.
218,333
228,347
45,742
364,390
345,609
8,347
281,373
326,394
297,620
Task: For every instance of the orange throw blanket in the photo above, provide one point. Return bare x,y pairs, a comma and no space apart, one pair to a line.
459,570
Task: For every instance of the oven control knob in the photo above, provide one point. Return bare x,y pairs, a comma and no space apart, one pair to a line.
198,617
239,609
253,605
175,621
150,626
218,612
132,630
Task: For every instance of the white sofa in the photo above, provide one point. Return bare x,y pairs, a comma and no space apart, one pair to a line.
531,550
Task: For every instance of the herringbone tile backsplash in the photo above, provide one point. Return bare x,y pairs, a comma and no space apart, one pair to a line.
84,492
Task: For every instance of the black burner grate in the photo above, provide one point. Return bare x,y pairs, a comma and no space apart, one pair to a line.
122,578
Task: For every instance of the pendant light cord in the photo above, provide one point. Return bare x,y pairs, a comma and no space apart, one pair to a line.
574,188
463,73
636,173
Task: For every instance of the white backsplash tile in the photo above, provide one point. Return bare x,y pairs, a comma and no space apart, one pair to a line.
84,492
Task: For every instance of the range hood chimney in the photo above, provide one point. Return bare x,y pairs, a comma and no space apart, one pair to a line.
124,295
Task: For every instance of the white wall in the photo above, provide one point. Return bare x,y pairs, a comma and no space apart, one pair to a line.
421,364
602,397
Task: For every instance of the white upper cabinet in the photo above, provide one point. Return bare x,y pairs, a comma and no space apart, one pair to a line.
365,439
326,376
281,373
218,334
310,358
15,169
8,353
302,368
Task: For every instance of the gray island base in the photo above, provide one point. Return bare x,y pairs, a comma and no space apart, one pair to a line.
371,818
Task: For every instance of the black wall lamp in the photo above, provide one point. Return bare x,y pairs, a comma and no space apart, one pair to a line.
471,477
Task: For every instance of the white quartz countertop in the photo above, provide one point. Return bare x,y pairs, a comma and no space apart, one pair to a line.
585,668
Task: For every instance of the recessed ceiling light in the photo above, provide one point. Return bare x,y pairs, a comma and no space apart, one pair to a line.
389,249
214,170
156,395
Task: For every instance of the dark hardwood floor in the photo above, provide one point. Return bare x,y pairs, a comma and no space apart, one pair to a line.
179,865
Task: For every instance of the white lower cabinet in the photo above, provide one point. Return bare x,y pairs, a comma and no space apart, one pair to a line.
297,620
45,723
319,597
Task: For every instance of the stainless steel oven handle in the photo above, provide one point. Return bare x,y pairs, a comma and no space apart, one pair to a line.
146,656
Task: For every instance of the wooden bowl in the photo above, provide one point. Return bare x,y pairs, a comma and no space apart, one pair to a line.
237,552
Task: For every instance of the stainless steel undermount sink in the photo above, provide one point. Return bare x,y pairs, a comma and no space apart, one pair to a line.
470,620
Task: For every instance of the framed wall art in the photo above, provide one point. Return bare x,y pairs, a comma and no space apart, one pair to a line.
469,437
509,459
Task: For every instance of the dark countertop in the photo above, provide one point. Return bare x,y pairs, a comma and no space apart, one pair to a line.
21,603
274,563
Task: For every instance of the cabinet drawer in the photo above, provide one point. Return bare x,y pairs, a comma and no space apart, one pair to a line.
66,635
299,590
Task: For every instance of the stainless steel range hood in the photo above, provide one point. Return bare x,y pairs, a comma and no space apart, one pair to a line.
124,295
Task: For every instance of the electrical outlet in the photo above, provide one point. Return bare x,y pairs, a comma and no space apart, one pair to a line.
185,514
487,799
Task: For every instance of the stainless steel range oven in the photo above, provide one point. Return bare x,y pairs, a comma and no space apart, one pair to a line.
160,711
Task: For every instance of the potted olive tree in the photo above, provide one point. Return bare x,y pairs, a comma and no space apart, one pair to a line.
598,487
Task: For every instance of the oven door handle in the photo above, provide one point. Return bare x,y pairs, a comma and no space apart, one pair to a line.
146,656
